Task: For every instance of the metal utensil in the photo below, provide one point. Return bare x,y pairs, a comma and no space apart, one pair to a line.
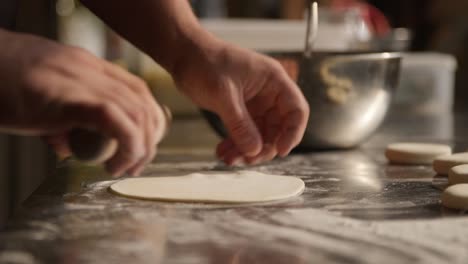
311,28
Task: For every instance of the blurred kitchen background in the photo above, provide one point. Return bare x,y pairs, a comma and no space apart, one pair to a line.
434,77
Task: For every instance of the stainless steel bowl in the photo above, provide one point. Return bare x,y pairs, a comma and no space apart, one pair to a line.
349,95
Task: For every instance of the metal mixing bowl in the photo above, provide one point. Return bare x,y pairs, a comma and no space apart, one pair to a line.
349,95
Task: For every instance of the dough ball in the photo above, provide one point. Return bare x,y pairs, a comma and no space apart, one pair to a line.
456,196
240,187
458,174
415,153
443,164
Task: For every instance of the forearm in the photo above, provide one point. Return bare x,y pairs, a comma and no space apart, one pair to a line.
10,46
164,29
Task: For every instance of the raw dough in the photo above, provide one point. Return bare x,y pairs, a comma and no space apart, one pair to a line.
240,187
415,153
456,196
458,174
443,164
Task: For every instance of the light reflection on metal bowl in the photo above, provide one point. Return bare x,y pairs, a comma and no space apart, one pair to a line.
349,95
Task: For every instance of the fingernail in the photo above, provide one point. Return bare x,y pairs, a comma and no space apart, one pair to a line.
115,174
253,161
232,161
134,172
139,172
238,162
221,157
252,154
226,161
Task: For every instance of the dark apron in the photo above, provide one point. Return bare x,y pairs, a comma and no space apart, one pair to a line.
8,9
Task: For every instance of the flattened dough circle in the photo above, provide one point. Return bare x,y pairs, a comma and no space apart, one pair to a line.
415,153
240,187
458,174
456,196
443,164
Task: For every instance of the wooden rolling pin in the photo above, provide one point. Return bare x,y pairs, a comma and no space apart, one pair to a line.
94,148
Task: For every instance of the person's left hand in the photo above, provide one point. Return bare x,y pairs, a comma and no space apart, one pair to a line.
263,110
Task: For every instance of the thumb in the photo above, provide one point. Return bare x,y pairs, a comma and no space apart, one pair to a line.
59,144
241,128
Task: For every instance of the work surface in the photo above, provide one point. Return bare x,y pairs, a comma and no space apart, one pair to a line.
356,209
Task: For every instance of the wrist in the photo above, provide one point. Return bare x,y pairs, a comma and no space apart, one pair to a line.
189,47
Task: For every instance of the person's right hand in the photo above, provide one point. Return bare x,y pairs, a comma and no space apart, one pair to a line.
262,109
48,88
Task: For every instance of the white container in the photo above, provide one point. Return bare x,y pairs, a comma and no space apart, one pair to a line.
285,35
426,83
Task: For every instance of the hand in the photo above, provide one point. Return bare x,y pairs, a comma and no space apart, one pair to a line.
48,89
263,110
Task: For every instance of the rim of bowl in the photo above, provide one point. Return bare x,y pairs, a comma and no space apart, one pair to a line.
351,54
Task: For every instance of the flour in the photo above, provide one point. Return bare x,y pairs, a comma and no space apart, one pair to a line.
17,257
428,241
182,166
363,205
81,206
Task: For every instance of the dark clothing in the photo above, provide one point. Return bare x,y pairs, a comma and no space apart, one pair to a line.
8,9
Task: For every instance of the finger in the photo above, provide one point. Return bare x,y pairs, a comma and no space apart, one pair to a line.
59,143
116,81
150,151
222,148
233,158
140,87
263,101
292,131
241,127
131,148
141,168
269,136
150,112
294,112
112,121
268,153
129,101
271,130
116,91
155,123
152,140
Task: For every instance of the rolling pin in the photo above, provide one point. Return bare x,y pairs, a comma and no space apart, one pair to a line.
93,148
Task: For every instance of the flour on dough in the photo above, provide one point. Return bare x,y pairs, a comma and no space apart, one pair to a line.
443,164
415,153
456,197
228,187
458,174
